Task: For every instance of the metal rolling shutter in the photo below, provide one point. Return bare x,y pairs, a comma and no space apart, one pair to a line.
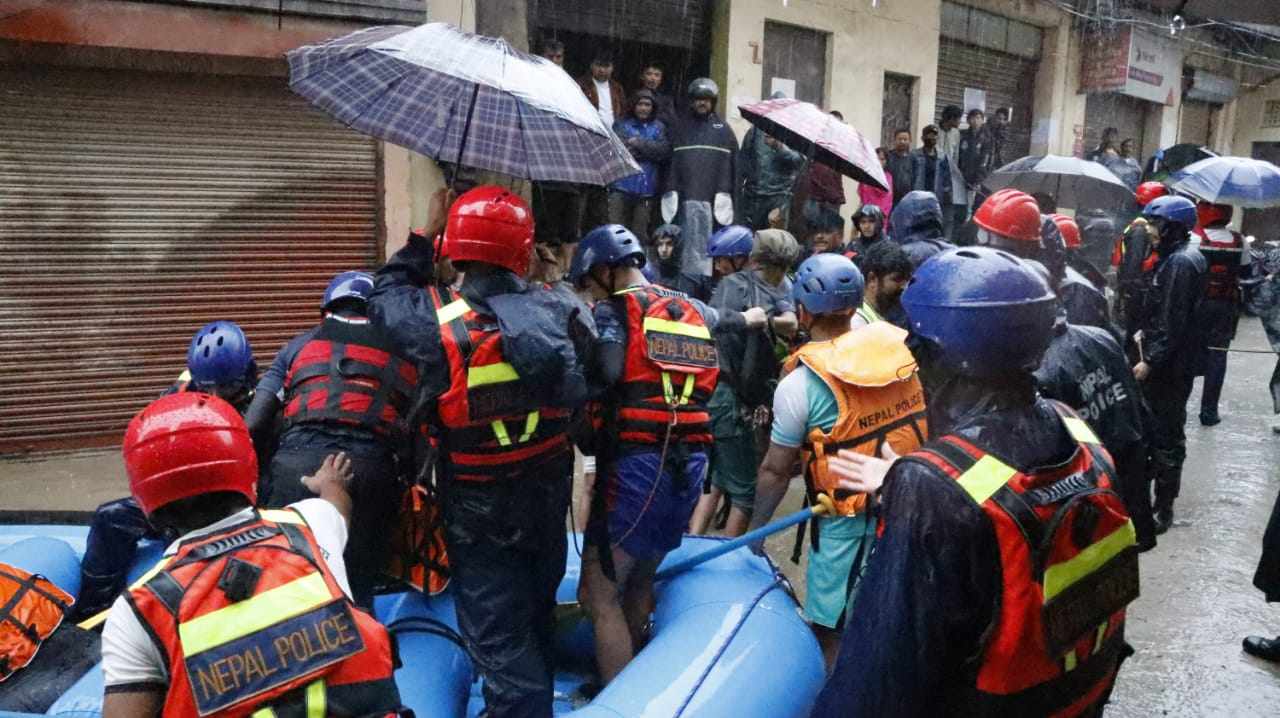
1009,81
681,23
1126,114
1196,123
136,207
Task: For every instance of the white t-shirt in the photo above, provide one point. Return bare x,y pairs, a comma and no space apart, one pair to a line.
130,657
606,101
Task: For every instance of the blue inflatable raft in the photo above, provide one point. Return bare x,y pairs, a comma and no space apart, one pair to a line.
728,641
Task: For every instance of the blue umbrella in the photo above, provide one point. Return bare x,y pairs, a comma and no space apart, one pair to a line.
464,99
1239,181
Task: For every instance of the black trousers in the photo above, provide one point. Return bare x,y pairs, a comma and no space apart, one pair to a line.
109,552
1275,388
1167,396
375,501
1134,486
1215,375
507,544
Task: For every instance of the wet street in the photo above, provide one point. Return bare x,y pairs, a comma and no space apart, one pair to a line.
1197,600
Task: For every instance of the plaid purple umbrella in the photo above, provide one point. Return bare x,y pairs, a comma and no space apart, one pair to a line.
466,99
820,136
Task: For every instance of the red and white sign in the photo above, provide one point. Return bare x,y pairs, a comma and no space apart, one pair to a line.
1131,63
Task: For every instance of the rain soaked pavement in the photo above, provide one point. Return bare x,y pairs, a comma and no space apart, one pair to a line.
1197,600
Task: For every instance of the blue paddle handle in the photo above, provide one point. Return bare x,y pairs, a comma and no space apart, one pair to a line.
743,540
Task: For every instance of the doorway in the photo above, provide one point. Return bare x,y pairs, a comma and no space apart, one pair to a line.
896,112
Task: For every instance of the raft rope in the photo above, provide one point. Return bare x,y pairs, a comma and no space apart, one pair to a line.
430,626
777,582
1243,351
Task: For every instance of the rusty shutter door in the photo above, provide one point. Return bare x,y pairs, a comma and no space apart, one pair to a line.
136,207
1008,80
1196,123
1127,114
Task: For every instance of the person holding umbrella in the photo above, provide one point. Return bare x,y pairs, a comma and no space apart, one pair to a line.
700,179
1171,343
501,373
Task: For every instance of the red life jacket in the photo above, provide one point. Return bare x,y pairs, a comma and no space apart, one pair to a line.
1222,248
493,426
250,617
1068,568
670,372
31,609
348,374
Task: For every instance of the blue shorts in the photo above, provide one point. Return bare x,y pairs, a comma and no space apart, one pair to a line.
647,513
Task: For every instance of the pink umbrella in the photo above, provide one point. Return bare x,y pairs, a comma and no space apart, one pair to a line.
820,136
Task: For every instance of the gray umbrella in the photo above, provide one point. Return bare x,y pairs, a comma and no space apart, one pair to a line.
1072,182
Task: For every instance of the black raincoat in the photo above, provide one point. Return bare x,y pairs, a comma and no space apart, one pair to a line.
505,537
931,590
916,224
1085,369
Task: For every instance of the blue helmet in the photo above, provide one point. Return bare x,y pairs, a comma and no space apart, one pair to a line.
986,312
348,285
827,283
732,241
608,244
219,354
1174,209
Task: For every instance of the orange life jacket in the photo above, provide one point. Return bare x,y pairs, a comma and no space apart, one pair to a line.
670,371
251,617
418,555
1068,568
349,374
492,425
873,377
31,609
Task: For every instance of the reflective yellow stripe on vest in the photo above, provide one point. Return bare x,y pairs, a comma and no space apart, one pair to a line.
654,324
487,374
869,313
669,392
1059,577
452,311
1079,430
282,516
986,477
253,614
504,438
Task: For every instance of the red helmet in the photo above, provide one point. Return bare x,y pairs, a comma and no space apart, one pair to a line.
1069,229
1148,191
1011,214
492,225
1209,214
185,445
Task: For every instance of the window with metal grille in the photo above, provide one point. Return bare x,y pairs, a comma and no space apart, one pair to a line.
1271,114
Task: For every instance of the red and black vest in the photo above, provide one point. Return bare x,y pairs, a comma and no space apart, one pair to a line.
670,371
348,374
493,424
1222,249
250,619
1068,568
